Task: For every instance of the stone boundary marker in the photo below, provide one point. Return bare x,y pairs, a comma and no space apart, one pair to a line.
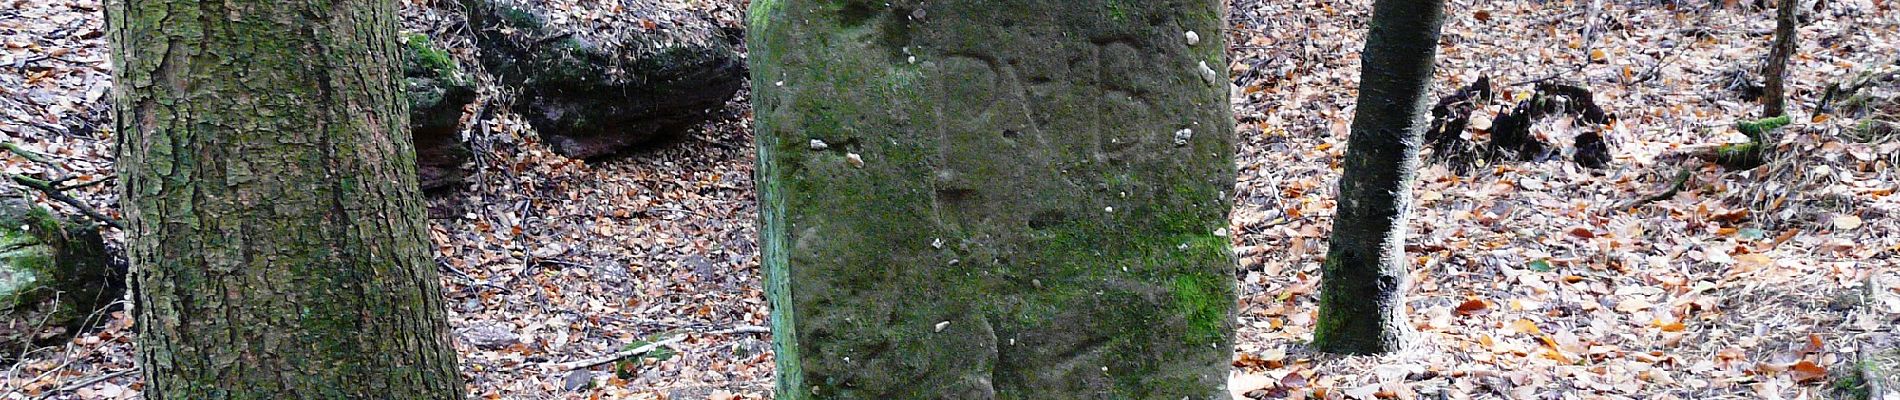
1880,352
1008,199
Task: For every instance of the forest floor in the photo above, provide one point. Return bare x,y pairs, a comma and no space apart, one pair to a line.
1531,280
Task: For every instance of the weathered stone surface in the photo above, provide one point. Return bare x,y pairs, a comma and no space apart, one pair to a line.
438,91
1008,199
53,274
1879,352
592,89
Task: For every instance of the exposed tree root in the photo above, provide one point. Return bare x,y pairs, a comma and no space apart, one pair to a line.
1737,156
1681,182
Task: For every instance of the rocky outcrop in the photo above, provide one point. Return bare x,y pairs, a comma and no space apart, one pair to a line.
54,273
438,92
593,89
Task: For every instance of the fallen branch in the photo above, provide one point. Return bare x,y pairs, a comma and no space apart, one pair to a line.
1654,70
1681,182
616,356
54,192
741,329
1737,156
53,188
80,384
1590,30
444,265
650,347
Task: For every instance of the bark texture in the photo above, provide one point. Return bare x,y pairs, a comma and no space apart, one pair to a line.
1774,96
1363,284
276,228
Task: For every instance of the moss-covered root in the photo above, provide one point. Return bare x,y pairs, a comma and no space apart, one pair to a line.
1757,130
1742,156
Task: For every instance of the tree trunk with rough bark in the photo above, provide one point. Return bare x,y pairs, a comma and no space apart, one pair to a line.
1774,96
276,231
1363,283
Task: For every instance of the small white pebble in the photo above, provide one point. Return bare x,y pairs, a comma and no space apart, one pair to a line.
1208,74
854,159
1222,232
937,243
1193,38
942,325
819,144
779,83
1108,209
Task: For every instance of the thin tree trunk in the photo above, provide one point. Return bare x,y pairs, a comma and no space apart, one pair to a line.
1774,92
276,229
1363,283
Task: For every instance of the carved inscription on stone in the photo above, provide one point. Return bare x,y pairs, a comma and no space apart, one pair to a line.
995,119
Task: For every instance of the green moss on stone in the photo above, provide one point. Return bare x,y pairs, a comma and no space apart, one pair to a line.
1205,303
1107,262
520,19
424,56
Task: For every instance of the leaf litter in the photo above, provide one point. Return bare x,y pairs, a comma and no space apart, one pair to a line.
1527,281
